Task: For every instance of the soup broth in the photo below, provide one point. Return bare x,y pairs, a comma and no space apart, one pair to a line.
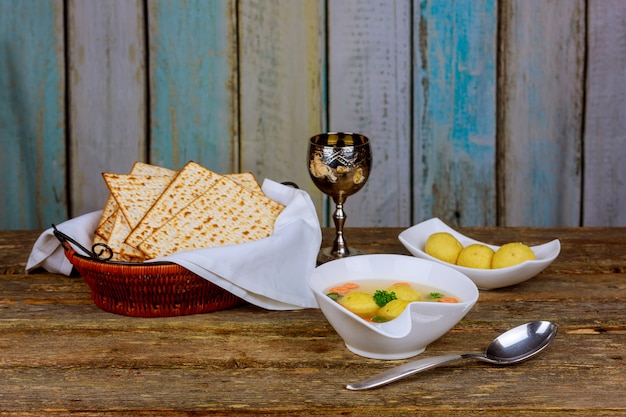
383,300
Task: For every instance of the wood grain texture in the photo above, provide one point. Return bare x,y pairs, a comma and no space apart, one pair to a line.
280,54
62,355
32,114
455,112
369,92
193,84
240,85
605,117
541,102
107,100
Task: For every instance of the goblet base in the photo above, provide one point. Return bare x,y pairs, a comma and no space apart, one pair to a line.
326,255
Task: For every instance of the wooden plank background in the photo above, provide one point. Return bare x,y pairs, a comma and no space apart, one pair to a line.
454,164
605,122
33,135
280,92
542,84
480,112
107,85
369,91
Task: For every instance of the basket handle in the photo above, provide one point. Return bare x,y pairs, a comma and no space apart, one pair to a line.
290,184
99,251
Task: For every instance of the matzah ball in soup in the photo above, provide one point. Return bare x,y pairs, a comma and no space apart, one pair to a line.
379,301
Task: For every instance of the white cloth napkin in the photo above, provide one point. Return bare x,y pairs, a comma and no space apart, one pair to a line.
271,273
48,252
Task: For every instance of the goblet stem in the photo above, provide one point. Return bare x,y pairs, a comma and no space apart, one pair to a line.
340,247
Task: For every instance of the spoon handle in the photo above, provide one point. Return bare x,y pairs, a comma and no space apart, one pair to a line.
402,371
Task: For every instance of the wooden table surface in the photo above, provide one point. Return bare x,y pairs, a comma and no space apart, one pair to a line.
60,354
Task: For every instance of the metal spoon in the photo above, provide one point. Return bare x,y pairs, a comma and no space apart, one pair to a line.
513,346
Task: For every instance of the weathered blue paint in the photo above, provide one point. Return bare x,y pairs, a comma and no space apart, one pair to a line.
32,114
193,92
194,100
455,111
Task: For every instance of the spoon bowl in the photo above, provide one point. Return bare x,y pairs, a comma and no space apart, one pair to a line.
521,342
513,346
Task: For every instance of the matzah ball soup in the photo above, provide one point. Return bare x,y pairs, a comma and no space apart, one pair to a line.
379,300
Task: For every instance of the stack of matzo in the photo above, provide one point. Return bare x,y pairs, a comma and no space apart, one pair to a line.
155,211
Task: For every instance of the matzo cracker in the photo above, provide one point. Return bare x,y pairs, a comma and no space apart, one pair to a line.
110,207
191,182
227,214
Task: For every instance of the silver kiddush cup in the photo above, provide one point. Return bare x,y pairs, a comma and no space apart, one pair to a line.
339,165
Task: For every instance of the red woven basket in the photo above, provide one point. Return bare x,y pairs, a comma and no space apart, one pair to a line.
148,290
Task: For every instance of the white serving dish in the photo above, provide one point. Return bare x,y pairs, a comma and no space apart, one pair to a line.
414,239
420,324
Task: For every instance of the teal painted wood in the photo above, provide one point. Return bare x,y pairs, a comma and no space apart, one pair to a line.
32,115
542,91
193,84
194,100
454,118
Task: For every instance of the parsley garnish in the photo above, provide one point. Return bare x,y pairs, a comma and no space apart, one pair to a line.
333,296
382,297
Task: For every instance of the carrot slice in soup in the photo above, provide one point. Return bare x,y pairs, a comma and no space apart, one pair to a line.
342,290
447,300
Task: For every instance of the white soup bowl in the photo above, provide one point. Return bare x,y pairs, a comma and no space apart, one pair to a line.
421,322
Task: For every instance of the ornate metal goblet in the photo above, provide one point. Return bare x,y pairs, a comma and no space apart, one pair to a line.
339,165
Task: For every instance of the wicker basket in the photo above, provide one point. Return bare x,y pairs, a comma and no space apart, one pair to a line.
148,290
